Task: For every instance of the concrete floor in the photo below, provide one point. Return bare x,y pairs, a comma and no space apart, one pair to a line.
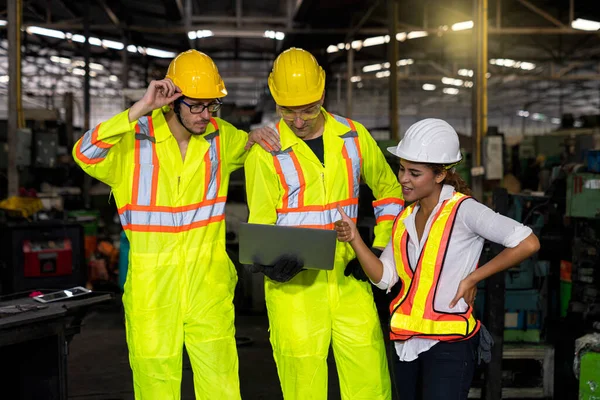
98,366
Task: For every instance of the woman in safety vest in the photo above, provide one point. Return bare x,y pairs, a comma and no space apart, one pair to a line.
433,255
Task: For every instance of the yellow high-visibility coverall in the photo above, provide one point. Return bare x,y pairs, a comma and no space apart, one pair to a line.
180,281
316,308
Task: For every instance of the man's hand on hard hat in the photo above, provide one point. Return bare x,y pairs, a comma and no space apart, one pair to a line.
283,270
266,137
159,93
347,231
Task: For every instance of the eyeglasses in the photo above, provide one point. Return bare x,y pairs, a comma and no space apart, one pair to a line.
199,108
305,115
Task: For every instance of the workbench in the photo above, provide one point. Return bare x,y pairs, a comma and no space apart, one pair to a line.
34,345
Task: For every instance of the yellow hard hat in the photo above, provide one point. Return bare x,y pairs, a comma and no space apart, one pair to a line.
297,78
196,75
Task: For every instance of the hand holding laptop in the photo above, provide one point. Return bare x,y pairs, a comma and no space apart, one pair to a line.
283,270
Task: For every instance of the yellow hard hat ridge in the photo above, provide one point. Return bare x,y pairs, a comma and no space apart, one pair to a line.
297,79
196,75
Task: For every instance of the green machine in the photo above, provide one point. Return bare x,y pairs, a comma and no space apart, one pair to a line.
583,195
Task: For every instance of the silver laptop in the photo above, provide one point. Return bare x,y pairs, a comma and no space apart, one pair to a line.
265,244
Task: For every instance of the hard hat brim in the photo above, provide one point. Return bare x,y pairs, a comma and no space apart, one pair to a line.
400,154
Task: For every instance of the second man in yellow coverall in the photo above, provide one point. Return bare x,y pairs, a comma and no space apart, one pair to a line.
322,160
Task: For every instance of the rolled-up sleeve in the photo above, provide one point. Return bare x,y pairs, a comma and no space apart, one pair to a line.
390,276
497,228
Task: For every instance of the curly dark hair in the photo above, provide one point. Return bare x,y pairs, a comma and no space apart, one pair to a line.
452,178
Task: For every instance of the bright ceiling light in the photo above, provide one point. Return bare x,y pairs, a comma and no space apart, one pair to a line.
159,53
61,60
341,46
192,35
461,26
452,81
401,37
382,74
4,78
452,91
3,22
372,68
376,40
407,61
585,25
523,113
113,78
527,66
132,49
78,71
416,34
356,44
555,121
429,87
111,44
97,67
468,84
204,33
36,30
78,38
279,35
332,49
355,79
465,72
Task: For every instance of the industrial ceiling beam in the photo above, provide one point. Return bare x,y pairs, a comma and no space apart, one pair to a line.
111,14
542,13
312,31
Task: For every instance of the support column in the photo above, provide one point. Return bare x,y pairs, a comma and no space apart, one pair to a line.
480,106
349,74
392,59
87,180
15,109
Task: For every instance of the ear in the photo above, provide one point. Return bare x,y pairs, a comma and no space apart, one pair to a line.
439,178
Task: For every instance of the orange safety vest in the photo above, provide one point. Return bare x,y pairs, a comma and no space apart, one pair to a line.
143,215
295,213
413,312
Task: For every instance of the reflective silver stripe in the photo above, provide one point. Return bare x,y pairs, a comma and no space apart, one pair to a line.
392,209
172,219
354,155
300,218
341,120
214,165
146,164
290,174
90,150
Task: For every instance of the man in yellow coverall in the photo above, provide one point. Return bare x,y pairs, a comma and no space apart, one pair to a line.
168,161
319,166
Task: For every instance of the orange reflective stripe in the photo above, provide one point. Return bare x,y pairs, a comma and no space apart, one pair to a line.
349,172
89,149
214,124
329,206
172,209
173,229
99,143
286,188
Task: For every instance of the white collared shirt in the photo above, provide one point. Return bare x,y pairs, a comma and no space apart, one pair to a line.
474,223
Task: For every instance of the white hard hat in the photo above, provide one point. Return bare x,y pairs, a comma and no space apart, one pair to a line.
429,141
